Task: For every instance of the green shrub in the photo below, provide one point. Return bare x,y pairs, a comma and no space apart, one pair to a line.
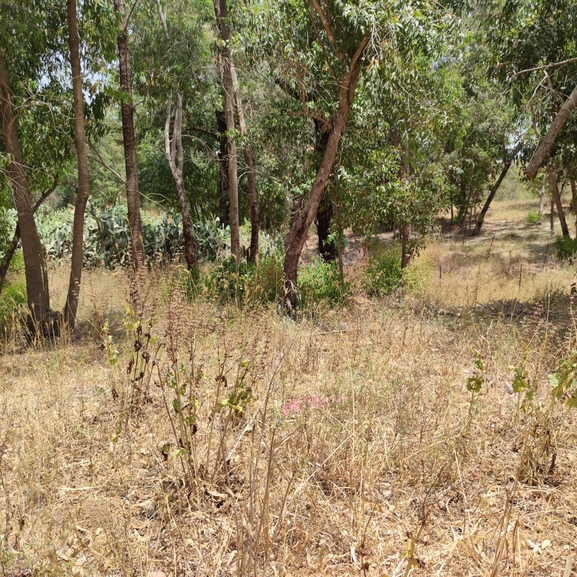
245,283
321,283
566,247
383,274
13,302
532,218
417,276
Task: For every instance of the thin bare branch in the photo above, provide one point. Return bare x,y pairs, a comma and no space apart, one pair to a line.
101,161
544,67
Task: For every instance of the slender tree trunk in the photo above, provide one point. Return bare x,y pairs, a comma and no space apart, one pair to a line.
127,113
552,215
221,12
71,306
175,157
300,225
325,210
223,168
558,201
38,294
574,199
541,201
549,138
250,174
323,222
483,213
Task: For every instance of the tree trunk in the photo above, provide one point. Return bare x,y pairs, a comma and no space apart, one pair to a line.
13,245
325,210
556,126
558,202
71,306
574,199
223,168
300,225
250,175
221,12
483,213
175,157
38,295
323,222
541,202
129,141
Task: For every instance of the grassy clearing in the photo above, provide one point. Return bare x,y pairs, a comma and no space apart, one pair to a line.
241,443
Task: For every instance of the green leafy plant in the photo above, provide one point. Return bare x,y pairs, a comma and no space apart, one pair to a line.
245,283
13,298
544,420
532,218
566,247
321,282
383,274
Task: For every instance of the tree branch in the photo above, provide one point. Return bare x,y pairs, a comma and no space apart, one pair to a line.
544,67
129,16
328,29
101,161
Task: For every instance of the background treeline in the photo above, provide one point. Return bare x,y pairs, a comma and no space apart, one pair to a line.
140,132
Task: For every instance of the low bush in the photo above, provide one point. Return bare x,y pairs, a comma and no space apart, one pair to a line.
245,283
566,247
532,218
383,274
321,283
13,297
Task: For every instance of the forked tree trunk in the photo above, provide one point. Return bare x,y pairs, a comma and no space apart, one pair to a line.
129,141
250,174
175,158
221,12
35,270
301,223
557,197
77,259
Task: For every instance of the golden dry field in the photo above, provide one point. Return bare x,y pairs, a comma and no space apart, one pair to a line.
203,440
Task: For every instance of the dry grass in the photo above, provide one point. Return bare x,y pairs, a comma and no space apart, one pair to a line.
348,445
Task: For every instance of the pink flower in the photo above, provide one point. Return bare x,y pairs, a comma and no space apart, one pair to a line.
316,402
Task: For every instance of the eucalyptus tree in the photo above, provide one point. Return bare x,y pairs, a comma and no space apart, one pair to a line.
323,47
221,13
98,44
172,62
35,143
128,136
533,47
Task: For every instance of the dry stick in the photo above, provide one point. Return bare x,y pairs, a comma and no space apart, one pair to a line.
568,566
